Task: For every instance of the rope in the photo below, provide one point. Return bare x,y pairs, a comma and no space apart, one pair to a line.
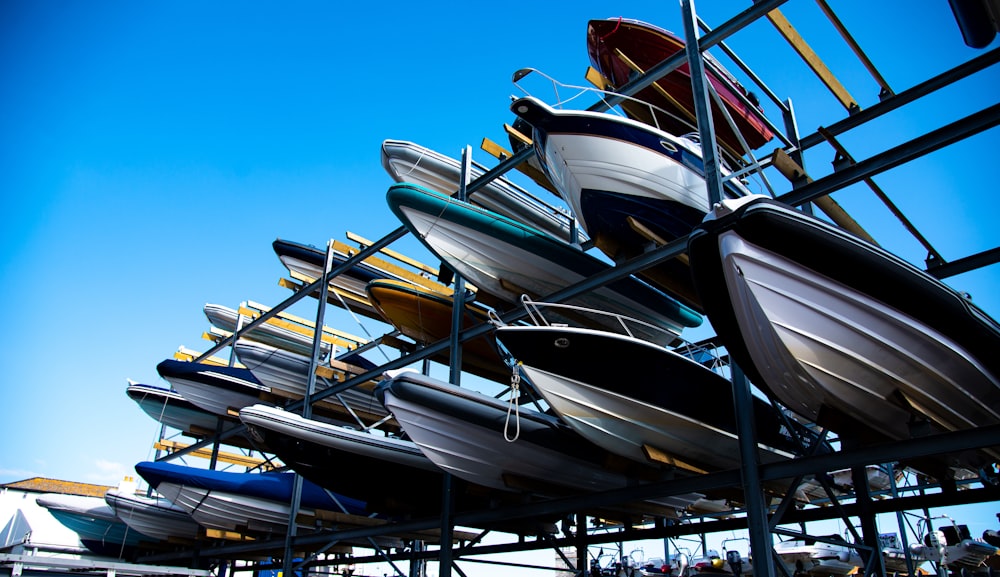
513,406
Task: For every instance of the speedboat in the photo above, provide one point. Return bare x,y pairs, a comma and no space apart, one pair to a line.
508,259
842,332
629,184
622,48
479,438
409,162
637,399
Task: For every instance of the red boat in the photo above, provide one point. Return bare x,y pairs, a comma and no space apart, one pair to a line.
621,49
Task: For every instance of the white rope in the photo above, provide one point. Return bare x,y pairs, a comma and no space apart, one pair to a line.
513,406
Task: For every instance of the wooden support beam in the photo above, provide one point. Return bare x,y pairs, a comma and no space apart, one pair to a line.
652,237
363,242
390,268
525,168
206,453
657,455
227,535
331,336
299,282
185,354
811,59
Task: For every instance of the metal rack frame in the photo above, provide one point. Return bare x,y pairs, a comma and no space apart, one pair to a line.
758,518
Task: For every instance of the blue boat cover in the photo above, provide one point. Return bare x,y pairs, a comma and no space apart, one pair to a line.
271,486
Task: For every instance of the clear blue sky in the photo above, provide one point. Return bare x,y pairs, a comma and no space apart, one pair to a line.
151,151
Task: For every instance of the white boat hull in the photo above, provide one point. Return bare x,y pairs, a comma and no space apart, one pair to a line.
222,402
366,443
823,343
580,162
286,374
152,516
225,511
409,162
508,271
482,455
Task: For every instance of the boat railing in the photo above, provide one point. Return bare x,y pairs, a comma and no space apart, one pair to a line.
704,353
607,97
611,101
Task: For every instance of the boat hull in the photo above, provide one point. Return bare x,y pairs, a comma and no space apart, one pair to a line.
463,433
269,333
287,374
508,259
247,502
842,332
613,42
656,399
221,391
627,182
173,410
426,317
152,516
410,162
333,457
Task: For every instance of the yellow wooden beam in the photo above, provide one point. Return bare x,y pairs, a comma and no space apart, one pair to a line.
659,456
525,168
811,59
363,242
388,267
299,282
599,80
185,354
227,535
206,453
332,336
651,236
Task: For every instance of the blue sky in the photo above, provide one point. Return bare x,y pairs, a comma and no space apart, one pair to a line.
151,152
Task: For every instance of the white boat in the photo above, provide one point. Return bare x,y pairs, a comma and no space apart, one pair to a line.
829,556
469,435
628,183
170,408
150,515
96,524
286,373
631,396
949,546
842,332
508,259
409,162
367,464
219,390
276,332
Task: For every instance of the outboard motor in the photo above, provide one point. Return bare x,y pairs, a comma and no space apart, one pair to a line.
735,562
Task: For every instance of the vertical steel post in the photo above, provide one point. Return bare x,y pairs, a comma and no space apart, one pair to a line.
293,509
455,371
702,108
458,295
756,510
869,531
792,130
757,525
